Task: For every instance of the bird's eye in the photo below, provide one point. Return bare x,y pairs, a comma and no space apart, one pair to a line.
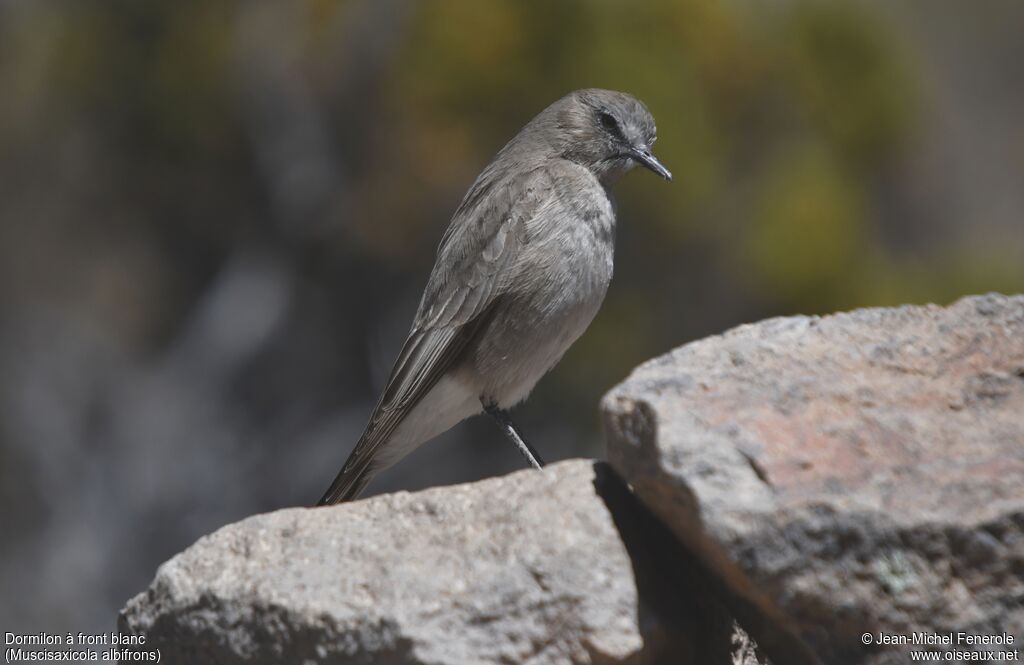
609,122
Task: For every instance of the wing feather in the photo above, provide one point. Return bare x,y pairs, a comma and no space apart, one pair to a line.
474,264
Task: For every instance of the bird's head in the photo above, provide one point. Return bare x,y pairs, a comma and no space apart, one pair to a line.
608,132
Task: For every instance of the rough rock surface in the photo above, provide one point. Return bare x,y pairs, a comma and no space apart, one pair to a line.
527,568
862,472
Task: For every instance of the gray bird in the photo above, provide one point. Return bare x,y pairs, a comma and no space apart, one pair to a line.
519,275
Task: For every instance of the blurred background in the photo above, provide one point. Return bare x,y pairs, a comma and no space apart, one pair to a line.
216,220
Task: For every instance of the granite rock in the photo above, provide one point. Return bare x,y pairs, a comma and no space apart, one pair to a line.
525,568
848,474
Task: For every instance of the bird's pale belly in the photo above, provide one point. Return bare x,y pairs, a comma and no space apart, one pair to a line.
514,367
526,340
536,360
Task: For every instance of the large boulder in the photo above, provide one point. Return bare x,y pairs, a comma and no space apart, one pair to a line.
849,474
526,568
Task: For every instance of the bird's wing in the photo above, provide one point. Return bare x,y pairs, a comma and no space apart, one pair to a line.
474,265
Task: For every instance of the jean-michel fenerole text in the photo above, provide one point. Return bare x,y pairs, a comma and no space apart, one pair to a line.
944,639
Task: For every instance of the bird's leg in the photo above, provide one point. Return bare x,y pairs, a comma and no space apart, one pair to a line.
512,432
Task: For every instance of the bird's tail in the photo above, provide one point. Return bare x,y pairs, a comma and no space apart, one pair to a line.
347,485
362,464
424,359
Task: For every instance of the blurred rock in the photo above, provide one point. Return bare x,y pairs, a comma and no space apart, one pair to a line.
848,474
524,568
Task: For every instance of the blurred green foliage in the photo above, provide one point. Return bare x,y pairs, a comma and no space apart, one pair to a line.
786,126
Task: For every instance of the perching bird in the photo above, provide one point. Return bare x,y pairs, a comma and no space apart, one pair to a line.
519,275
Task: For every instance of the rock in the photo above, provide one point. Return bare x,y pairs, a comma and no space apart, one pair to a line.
524,568
856,473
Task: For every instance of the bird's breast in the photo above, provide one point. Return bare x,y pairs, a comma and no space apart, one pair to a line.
559,285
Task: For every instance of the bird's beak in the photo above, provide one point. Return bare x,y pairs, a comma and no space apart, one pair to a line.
643,155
